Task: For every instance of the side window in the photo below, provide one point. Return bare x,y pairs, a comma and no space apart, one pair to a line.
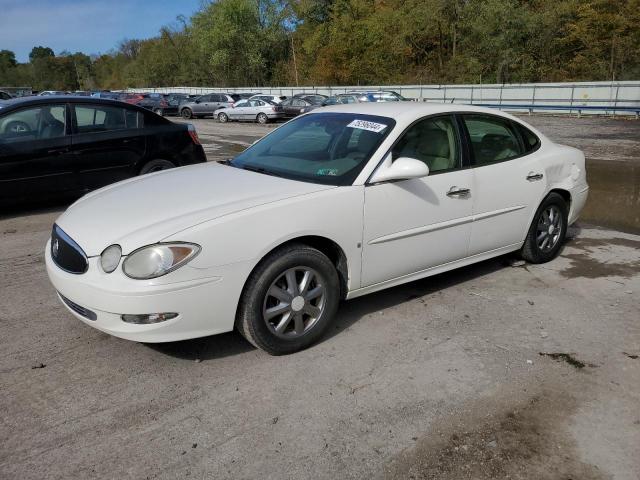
101,118
134,119
531,141
493,139
433,141
243,103
298,103
33,124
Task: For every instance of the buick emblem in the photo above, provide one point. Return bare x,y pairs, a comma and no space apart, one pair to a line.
54,247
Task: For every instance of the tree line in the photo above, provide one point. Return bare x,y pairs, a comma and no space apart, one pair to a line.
232,43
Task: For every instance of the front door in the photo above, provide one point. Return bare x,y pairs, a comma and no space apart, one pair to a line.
414,225
34,152
508,181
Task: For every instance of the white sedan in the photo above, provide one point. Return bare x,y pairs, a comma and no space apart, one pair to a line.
335,204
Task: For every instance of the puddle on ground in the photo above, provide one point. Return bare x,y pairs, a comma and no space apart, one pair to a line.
586,264
614,195
527,439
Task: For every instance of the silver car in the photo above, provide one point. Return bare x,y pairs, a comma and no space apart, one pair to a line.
207,104
251,110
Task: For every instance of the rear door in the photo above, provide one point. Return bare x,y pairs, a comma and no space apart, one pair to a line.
508,182
108,142
35,156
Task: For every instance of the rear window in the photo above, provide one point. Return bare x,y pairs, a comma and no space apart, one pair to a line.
235,97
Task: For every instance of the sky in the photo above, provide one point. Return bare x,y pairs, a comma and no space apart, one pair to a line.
88,26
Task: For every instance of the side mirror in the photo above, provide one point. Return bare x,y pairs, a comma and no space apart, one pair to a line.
402,168
197,101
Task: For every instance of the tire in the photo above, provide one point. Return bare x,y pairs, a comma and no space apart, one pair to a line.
301,317
547,231
159,111
156,166
262,118
186,113
223,117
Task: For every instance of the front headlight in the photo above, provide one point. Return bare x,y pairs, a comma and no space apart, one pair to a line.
156,260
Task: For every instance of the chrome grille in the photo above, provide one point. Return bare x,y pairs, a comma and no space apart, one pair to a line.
66,253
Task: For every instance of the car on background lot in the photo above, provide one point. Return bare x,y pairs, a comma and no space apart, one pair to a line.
132,98
269,98
206,105
343,98
5,95
53,145
332,205
46,93
245,95
161,105
377,96
294,106
251,110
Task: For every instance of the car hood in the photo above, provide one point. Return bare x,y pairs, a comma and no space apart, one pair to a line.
147,209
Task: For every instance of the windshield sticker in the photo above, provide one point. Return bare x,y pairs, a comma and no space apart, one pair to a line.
332,172
364,125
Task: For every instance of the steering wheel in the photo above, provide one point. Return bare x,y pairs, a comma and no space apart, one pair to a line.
17,127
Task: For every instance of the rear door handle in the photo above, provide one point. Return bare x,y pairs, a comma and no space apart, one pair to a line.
458,192
532,177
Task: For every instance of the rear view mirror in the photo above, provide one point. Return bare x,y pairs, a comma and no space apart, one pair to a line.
402,168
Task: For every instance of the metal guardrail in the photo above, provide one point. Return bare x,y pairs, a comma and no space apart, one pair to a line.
569,108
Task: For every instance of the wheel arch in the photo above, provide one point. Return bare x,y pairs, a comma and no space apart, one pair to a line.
565,194
329,247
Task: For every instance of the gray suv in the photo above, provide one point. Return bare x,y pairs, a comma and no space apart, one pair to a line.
207,104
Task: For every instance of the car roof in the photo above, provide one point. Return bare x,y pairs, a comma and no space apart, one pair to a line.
43,100
406,110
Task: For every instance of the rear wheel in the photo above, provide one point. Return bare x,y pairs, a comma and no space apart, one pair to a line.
223,117
156,166
262,118
186,113
289,300
547,231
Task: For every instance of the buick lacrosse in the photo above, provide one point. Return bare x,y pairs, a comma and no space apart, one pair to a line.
338,203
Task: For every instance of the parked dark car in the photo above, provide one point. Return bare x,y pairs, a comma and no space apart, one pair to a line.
51,145
161,105
5,95
207,104
295,106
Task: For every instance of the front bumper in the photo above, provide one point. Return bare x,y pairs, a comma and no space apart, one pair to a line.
205,300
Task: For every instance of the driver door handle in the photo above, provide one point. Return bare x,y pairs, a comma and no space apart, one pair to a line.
532,177
458,192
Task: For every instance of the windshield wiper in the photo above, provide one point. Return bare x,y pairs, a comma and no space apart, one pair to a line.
261,170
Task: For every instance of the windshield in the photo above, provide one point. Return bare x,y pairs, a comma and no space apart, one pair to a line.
328,148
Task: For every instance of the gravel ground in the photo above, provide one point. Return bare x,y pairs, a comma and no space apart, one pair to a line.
497,370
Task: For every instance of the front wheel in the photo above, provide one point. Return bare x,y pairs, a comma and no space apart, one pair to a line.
547,231
289,300
223,118
262,118
186,113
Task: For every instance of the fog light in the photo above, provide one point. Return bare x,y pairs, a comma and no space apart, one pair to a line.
146,319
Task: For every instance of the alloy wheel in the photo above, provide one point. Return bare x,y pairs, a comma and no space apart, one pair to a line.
294,302
549,228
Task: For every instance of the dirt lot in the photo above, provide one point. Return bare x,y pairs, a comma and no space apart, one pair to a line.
498,370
